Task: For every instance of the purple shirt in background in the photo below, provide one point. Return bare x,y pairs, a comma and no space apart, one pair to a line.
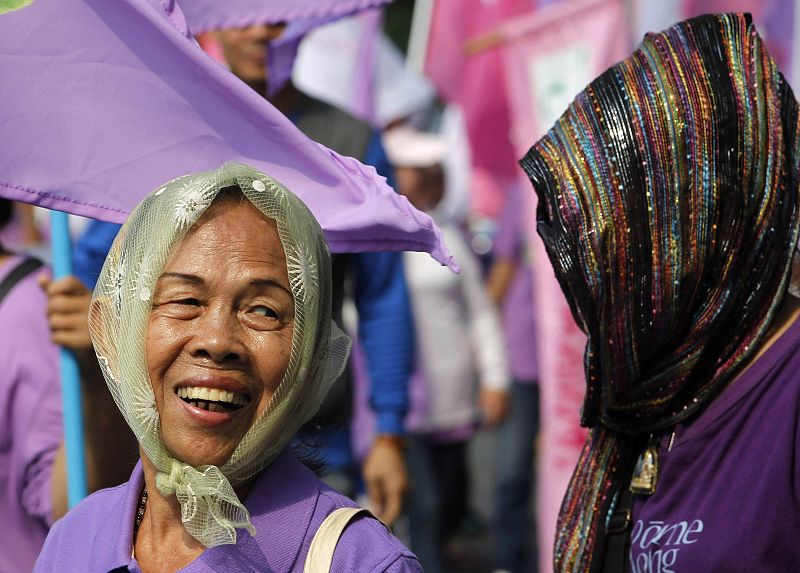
511,243
30,423
287,504
728,497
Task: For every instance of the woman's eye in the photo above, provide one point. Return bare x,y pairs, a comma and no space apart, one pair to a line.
188,302
264,311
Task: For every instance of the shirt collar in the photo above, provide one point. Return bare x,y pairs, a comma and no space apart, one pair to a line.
113,544
281,505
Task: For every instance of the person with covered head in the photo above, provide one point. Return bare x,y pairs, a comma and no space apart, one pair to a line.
211,323
668,205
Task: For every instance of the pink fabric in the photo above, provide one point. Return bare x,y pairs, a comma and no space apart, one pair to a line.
549,57
552,54
211,46
477,84
90,127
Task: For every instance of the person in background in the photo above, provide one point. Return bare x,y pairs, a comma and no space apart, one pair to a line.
32,472
459,343
374,281
510,286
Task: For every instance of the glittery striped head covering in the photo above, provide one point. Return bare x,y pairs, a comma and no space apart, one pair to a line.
668,197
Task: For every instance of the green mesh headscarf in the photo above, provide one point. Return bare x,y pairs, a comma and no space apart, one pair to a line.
668,204
210,509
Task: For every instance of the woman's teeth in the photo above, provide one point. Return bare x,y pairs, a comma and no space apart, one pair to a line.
212,399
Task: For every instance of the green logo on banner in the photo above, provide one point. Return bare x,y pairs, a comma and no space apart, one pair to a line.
11,5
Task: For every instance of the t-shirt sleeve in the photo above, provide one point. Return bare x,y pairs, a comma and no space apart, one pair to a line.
385,330
91,249
38,416
404,564
485,331
366,545
41,448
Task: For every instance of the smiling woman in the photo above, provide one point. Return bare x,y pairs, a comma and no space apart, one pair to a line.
211,323
219,337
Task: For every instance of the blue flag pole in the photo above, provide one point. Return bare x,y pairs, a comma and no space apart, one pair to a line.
77,487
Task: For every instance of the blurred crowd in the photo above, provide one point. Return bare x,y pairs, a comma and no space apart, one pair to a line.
441,359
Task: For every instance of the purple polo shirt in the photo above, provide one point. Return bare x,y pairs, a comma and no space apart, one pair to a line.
287,504
728,497
511,243
30,422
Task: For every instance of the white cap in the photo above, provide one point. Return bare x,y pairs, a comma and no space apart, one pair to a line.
408,147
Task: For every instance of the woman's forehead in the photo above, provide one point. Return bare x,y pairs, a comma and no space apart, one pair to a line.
230,235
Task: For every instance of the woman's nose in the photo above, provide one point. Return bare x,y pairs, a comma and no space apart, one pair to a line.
218,337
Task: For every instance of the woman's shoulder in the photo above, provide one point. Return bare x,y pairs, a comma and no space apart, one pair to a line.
288,504
93,524
96,506
366,544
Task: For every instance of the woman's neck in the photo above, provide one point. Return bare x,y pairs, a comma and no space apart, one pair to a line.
162,527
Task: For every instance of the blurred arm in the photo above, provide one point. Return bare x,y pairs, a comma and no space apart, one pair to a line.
487,338
386,335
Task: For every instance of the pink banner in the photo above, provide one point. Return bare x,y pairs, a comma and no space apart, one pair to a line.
549,57
477,84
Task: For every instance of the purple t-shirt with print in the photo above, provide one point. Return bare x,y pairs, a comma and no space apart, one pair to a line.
728,494
30,421
287,504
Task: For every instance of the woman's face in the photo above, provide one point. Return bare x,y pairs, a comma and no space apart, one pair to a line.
423,186
220,332
245,49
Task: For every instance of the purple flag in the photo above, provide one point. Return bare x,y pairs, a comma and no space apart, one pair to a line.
104,101
206,15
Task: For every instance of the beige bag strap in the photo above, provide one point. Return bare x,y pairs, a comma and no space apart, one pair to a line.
320,554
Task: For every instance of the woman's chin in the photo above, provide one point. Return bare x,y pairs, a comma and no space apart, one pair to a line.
200,437
201,452
197,435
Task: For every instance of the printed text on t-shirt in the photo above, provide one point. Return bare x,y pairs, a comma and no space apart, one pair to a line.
655,546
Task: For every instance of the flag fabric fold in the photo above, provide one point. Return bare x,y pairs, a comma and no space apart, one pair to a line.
105,101
207,15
